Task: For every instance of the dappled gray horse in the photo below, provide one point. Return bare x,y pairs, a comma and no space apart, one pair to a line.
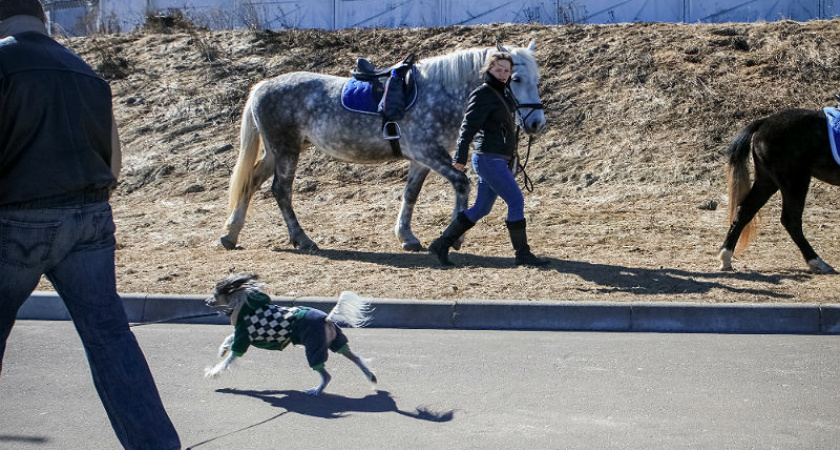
294,110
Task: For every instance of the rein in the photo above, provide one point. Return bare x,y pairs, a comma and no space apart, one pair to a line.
520,167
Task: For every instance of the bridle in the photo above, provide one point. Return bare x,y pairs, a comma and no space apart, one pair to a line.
533,106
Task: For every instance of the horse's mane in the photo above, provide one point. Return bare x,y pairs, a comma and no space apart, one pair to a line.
452,68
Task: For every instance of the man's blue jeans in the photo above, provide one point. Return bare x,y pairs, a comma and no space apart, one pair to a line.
495,180
74,247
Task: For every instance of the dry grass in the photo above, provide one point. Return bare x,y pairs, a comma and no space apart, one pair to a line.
639,118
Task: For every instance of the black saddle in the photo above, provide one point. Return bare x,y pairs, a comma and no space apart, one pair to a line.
394,90
367,71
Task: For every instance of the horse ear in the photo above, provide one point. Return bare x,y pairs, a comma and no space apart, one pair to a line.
533,45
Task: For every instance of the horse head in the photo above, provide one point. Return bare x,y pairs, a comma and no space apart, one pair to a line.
524,83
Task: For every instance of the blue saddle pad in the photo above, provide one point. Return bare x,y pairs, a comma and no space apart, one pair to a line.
832,117
360,96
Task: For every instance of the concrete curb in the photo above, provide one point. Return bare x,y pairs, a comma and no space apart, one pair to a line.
508,315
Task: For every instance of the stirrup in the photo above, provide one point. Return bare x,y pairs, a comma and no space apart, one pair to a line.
391,130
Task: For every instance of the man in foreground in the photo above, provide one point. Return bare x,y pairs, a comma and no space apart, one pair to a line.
59,162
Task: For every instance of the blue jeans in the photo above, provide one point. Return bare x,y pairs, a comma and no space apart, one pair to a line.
74,247
495,180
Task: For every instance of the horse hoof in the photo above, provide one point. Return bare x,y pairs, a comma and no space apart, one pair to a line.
309,248
725,257
227,243
413,247
819,267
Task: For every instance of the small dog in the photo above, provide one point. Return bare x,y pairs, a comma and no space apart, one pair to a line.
259,323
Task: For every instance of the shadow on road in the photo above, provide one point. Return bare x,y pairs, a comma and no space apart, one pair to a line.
327,406
331,406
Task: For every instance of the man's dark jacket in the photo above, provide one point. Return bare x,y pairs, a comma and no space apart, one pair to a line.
55,126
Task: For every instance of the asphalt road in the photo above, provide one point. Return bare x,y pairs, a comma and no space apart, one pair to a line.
447,389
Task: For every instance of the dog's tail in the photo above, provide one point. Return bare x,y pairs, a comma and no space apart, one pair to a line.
351,310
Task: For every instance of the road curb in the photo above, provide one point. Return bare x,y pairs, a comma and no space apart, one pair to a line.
503,315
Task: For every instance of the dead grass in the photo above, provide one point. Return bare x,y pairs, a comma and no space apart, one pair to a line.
639,118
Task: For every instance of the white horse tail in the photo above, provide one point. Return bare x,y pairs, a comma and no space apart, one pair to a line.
249,149
351,310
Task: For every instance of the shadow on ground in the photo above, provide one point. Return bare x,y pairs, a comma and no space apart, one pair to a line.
327,406
608,278
331,406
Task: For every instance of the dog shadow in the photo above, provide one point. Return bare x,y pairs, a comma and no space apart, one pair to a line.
331,406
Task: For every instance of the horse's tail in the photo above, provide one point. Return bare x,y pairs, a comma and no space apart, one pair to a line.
351,310
249,149
738,181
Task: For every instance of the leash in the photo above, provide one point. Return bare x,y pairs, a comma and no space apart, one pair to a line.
235,431
192,316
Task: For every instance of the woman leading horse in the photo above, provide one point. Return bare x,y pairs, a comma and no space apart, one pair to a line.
293,110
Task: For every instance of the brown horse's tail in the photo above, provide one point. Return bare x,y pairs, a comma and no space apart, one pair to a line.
738,181
249,149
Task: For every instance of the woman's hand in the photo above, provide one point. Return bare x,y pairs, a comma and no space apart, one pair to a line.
459,167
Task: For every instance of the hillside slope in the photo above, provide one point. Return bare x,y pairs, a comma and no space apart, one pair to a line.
627,175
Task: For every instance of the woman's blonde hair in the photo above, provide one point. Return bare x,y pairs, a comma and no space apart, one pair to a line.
497,56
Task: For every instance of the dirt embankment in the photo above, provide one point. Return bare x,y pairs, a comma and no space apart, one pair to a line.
629,201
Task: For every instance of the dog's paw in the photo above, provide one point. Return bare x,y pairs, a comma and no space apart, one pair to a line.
313,392
211,372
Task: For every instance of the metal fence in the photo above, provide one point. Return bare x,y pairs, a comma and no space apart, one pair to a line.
124,15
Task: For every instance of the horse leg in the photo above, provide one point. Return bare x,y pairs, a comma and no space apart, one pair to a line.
793,205
761,191
462,191
416,176
441,162
262,171
284,175
461,184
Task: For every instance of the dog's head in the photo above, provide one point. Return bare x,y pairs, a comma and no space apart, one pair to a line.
233,290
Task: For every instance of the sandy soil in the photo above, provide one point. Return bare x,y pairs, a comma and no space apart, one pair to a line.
629,201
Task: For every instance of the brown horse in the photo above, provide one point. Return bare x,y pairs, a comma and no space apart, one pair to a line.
788,148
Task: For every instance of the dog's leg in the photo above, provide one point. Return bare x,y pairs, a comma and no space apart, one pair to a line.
325,379
218,368
359,362
223,349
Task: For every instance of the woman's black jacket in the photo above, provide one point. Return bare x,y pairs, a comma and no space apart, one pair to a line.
488,121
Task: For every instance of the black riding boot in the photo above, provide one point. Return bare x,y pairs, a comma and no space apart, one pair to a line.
440,247
519,239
